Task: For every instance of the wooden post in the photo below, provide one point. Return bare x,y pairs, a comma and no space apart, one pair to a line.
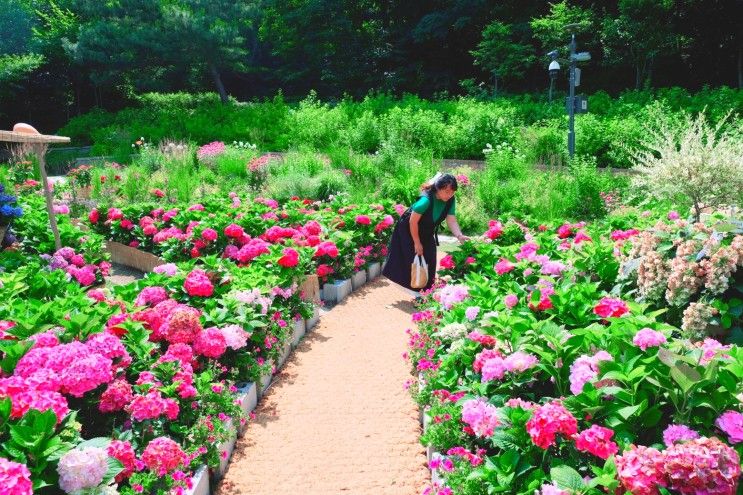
41,154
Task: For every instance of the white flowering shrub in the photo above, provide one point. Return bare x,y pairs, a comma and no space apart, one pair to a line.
695,162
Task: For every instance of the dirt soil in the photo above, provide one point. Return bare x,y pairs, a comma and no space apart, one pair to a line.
338,419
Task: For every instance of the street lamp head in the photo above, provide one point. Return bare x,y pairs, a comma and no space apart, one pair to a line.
581,57
554,66
552,54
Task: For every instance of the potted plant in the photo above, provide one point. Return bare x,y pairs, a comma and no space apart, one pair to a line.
81,178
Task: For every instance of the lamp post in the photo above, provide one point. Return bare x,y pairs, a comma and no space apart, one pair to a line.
574,76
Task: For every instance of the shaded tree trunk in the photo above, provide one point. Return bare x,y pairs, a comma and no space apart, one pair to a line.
217,77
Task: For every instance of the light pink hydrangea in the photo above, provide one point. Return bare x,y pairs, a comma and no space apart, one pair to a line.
82,468
586,369
712,349
451,295
167,269
648,337
518,362
471,312
511,300
552,490
481,416
235,337
15,478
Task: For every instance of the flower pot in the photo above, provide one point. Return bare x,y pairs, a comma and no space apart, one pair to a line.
129,256
227,446
337,291
312,321
299,330
285,352
358,279
374,270
200,482
247,395
264,383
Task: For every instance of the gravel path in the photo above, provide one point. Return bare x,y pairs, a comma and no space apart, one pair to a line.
338,420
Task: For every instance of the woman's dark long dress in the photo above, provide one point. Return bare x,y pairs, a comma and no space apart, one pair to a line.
401,250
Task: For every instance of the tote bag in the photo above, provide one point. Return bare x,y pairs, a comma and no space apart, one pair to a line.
418,273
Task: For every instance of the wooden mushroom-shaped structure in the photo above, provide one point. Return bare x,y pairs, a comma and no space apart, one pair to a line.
26,134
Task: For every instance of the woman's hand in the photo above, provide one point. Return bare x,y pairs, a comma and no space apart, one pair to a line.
462,238
418,247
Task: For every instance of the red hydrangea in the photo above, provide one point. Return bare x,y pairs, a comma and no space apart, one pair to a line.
124,453
94,216
597,441
547,421
326,248
610,308
289,259
363,220
197,283
163,455
234,231
209,235
183,325
447,262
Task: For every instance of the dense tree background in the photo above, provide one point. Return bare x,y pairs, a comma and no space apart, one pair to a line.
60,58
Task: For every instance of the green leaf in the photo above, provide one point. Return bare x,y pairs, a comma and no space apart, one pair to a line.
629,411
567,478
685,376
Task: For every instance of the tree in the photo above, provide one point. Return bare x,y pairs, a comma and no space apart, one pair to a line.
505,51
148,40
550,29
640,32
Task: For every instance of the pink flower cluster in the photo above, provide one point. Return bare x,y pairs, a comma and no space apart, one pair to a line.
82,468
640,470
447,262
731,422
495,230
150,296
451,295
152,405
586,369
711,349
210,343
197,283
481,416
549,420
702,466
597,441
15,478
648,337
124,453
289,258
210,150
75,265
496,366
163,455
609,307
678,433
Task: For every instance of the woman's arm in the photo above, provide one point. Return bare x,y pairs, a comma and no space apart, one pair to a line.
451,221
414,219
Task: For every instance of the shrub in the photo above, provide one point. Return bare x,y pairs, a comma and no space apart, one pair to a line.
697,164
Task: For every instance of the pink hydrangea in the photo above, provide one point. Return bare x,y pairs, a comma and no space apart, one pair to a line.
82,468
178,352
678,433
86,374
235,337
116,397
25,394
647,337
523,404
640,470
554,268
45,339
711,349
447,262
597,441
702,466
483,357
609,307
503,266
363,220
511,300
452,294
549,420
552,490
197,283
111,347
289,258
493,369
150,296
152,406
163,455
481,416
15,478
210,150
495,230
731,422
210,343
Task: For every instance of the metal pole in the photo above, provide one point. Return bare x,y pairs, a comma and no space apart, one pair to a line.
40,153
552,83
571,100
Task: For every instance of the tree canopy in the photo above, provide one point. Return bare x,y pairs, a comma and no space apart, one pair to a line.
63,57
